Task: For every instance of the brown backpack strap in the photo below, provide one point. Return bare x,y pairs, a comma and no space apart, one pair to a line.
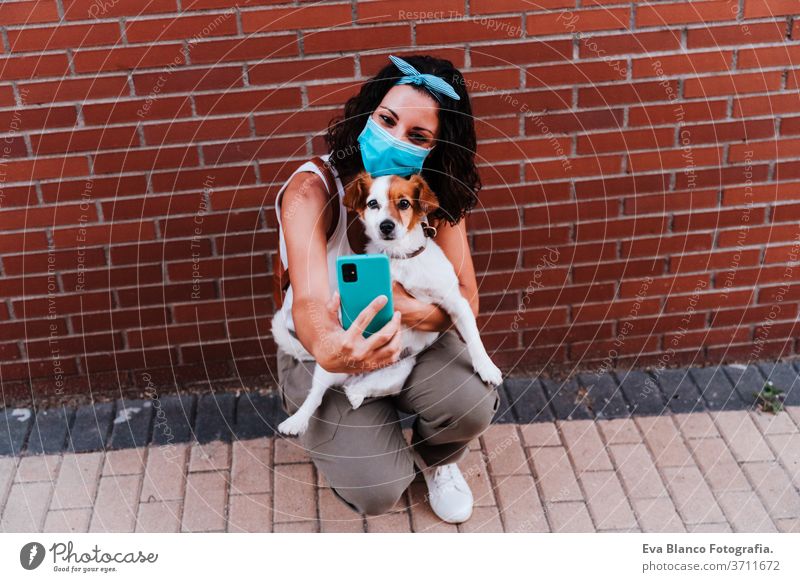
280,283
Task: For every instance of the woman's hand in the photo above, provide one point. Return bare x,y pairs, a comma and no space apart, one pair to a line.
349,351
416,313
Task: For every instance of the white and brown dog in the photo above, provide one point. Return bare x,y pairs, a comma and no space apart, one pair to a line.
393,210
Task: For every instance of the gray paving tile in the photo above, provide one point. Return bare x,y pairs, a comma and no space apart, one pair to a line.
568,399
91,428
716,390
131,424
680,390
642,392
528,400
49,430
14,426
605,398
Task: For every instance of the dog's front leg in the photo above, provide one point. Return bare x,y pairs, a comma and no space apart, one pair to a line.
298,422
457,307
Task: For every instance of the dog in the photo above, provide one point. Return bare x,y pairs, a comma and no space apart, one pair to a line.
393,210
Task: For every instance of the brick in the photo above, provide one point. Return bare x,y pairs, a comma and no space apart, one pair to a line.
117,504
477,476
63,36
742,436
569,517
37,468
295,499
28,12
540,434
718,465
664,441
678,13
607,501
165,474
26,507
159,517
731,84
773,424
77,481
768,8
212,456
696,425
335,516
91,9
554,475
250,513
243,49
566,22
774,489
637,471
746,513
483,520
504,450
619,431
786,448
124,462
30,67
130,58
585,447
692,497
67,521
276,19
205,501
658,515
519,504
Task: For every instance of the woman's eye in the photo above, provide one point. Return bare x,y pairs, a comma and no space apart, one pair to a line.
419,138
387,120
403,204
372,204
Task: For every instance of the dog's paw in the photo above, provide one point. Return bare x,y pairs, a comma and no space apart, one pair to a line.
489,372
294,425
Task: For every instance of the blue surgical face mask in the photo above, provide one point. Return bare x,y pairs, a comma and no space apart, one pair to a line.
383,154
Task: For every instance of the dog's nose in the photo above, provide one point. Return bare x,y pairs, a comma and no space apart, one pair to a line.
387,226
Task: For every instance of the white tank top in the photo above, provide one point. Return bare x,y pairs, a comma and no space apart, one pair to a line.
337,245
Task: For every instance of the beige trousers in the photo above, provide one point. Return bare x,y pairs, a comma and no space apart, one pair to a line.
362,453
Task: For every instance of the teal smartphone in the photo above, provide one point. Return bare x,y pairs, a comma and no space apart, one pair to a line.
362,278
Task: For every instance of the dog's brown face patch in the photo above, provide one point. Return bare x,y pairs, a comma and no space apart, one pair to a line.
410,200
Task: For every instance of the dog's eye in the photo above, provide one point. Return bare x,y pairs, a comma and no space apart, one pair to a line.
372,204
403,204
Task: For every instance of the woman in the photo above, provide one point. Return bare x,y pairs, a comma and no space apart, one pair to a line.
413,116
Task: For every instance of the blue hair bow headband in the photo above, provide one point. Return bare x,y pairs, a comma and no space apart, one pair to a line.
436,85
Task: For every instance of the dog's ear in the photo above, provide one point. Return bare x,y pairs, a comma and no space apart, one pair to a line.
356,192
424,198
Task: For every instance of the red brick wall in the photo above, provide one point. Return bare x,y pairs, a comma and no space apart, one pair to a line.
641,164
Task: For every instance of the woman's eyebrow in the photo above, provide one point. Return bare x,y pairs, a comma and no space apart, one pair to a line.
398,117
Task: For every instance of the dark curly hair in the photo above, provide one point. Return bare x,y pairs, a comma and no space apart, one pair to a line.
450,168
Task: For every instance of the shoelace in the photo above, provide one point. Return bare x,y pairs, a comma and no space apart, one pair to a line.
445,477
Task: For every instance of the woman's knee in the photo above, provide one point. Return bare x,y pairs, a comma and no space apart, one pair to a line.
473,407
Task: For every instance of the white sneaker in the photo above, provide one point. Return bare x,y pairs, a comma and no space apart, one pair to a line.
448,493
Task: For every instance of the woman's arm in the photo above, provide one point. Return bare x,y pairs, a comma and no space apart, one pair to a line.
305,219
427,316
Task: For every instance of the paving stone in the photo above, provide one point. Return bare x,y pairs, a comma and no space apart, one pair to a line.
77,481
204,506
483,520
774,488
788,525
554,475
619,431
172,419
604,397
26,507
392,522
569,517
658,514
540,434
716,390
691,495
213,456
38,468
215,417
567,399
680,390
664,441
585,447
529,400
8,468
307,526
165,473
289,450
49,431
335,516
642,392
295,496
476,474
14,426
787,447
708,528
607,501
258,415
131,425
504,450
159,517
91,427
743,438
505,412
519,504
637,471
68,520
718,465
784,376
252,471
423,520
768,423
250,513
745,512
746,380
117,504
696,425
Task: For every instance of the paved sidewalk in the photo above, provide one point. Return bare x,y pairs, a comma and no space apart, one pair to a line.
714,471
